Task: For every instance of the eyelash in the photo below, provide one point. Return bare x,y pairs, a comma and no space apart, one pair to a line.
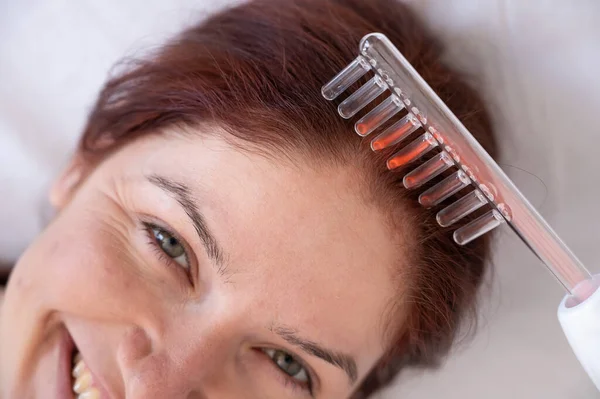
160,253
287,380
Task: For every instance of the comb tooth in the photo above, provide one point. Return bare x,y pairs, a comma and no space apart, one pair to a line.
361,97
346,78
378,116
461,208
444,189
478,227
430,169
396,133
412,151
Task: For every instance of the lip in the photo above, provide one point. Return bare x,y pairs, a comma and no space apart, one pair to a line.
66,346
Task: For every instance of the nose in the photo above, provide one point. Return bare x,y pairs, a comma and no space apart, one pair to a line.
176,365
148,370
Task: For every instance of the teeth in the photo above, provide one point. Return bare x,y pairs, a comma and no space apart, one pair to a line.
83,382
91,393
83,385
79,369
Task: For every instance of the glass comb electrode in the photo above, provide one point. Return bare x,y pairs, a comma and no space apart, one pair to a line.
409,98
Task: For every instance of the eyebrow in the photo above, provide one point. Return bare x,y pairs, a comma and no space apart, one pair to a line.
182,195
338,359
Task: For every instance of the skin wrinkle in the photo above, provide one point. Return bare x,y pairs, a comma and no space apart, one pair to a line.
119,228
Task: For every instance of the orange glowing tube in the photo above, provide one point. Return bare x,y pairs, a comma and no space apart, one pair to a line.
396,133
413,151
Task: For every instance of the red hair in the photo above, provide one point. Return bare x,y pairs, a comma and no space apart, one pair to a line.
256,71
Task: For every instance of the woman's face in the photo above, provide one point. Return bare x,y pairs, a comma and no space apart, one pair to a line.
184,268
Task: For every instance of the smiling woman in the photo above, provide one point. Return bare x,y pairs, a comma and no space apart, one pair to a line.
223,234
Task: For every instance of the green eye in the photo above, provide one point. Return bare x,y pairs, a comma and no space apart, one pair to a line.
288,364
170,245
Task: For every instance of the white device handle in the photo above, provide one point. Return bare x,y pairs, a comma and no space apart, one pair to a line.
581,325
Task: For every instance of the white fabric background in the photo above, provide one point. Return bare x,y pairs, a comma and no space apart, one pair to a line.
536,61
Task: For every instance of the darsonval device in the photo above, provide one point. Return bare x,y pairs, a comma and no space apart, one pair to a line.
414,120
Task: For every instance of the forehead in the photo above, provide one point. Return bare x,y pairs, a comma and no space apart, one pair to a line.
302,240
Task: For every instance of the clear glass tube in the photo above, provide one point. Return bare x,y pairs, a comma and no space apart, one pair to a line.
378,116
461,208
361,97
396,133
430,169
412,151
478,227
444,189
346,78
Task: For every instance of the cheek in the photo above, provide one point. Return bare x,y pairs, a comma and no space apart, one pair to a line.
86,263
